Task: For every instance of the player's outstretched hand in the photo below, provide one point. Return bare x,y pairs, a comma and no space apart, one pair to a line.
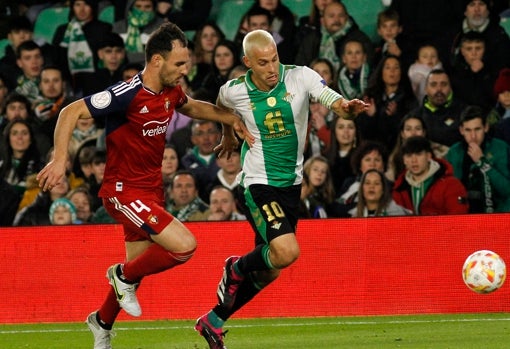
353,107
51,175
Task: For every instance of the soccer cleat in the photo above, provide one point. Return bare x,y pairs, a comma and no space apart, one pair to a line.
126,293
102,337
213,336
229,284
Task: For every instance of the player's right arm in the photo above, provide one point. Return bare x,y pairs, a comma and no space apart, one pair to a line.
55,170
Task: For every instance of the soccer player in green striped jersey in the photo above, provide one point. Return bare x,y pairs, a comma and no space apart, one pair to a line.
272,99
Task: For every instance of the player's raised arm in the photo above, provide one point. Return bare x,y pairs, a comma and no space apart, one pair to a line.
349,109
55,170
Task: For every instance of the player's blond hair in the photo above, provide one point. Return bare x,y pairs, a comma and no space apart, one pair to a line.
257,39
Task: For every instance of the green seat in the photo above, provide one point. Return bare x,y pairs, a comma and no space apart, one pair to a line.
107,14
48,21
300,8
365,14
3,44
230,14
505,23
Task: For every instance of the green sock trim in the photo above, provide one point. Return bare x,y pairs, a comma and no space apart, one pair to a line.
265,255
255,283
215,320
236,269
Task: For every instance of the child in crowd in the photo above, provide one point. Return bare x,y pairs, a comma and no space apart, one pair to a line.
388,28
63,212
427,60
353,76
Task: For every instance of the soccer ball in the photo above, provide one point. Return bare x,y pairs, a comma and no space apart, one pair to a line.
484,271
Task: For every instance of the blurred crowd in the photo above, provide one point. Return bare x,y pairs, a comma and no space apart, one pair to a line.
435,139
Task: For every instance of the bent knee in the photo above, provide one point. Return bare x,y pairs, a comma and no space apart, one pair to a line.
283,256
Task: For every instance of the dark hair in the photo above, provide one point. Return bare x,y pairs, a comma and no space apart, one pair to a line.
99,156
376,87
15,97
472,36
416,145
196,39
472,112
233,48
256,10
184,172
383,201
387,15
438,71
161,40
28,45
365,148
20,23
333,149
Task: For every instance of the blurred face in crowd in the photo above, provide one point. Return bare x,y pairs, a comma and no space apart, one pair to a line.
183,190
84,124
418,163
31,63
324,70
373,159
62,215
372,187
318,173
82,11
51,85
438,89
476,13
345,131
19,138
231,165
389,30
504,99
354,55
222,203
81,201
209,38
129,73
412,127
258,22
474,131
16,110
321,4
205,136
97,170
391,72
3,91
472,51
170,162
269,5
428,56
223,59
334,17
16,37
112,57
144,5
60,189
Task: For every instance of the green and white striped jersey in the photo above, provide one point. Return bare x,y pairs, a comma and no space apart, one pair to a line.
278,120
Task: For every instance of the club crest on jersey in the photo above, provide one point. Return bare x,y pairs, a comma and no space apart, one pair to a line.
271,101
167,105
288,97
153,219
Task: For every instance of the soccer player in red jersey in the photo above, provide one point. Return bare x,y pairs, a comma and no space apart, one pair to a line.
136,114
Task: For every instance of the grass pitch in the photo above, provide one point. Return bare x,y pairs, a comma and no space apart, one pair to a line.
465,331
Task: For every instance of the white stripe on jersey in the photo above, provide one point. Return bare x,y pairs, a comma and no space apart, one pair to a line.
131,215
125,87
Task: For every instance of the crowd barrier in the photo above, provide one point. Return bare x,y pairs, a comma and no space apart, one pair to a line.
375,266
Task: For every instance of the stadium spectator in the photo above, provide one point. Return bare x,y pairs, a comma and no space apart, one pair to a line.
388,29
271,191
225,58
440,110
481,163
95,180
427,59
317,190
37,212
326,70
140,20
207,36
187,14
427,186
477,18
112,58
63,212
390,97
223,205
344,140
370,154
8,204
353,75
21,157
82,200
312,21
501,113
226,176
129,70
374,197
4,91
30,60
169,165
184,202
132,187
201,159
336,29
318,133
410,125
472,77
77,40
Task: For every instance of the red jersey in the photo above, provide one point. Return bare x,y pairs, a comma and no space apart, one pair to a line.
136,120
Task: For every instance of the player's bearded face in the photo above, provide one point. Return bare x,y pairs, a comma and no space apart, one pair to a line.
175,66
265,65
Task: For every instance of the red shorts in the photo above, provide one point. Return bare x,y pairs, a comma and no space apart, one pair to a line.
141,216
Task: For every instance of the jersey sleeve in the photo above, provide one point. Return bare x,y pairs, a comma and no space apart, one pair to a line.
223,96
318,89
107,102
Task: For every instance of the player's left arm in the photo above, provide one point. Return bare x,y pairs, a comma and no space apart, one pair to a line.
349,109
207,111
